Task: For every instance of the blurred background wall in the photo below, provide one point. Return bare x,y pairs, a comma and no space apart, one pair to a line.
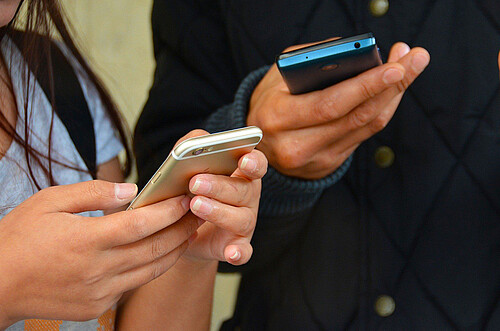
115,35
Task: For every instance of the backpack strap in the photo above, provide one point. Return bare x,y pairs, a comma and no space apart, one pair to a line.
69,102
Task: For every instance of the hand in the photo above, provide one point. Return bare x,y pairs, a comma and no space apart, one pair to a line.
229,205
58,265
310,135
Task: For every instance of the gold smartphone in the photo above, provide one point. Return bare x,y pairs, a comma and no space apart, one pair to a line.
216,153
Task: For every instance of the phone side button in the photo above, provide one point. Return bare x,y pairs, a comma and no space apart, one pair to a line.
157,177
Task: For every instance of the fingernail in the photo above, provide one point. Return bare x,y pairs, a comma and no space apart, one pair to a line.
202,207
403,50
201,186
419,61
186,202
248,164
125,191
392,75
236,256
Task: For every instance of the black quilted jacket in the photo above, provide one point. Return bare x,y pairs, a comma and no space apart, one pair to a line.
423,231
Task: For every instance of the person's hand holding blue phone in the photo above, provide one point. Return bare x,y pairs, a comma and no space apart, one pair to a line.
330,97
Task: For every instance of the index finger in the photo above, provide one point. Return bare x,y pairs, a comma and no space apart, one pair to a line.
336,101
132,225
252,165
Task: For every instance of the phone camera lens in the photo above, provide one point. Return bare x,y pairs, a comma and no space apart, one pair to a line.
329,67
198,151
357,45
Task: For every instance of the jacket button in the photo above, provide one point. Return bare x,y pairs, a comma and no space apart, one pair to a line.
384,156
385,306
379,7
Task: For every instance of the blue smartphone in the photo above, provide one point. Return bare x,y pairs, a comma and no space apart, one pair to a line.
321,65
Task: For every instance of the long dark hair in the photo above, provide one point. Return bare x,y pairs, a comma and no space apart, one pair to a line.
45,18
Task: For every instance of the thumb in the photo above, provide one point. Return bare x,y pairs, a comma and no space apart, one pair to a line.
85,196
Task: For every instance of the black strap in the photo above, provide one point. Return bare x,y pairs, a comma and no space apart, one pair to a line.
70,103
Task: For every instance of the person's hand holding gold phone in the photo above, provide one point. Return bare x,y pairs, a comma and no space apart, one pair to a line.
222,173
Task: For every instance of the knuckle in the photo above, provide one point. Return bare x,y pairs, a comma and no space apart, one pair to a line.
160,266
217,188
157,247
156,270
290,156
239,190
267,126
175,210
244,194
366,89
99,189
378,124
270,120
325,108
362,116
137,224
403,85
93,190
246,225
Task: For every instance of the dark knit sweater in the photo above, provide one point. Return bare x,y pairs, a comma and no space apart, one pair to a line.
422,231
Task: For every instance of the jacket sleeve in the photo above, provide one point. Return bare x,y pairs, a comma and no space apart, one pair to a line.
196,86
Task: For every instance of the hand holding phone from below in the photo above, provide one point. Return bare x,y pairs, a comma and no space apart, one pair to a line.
216,153
310,136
